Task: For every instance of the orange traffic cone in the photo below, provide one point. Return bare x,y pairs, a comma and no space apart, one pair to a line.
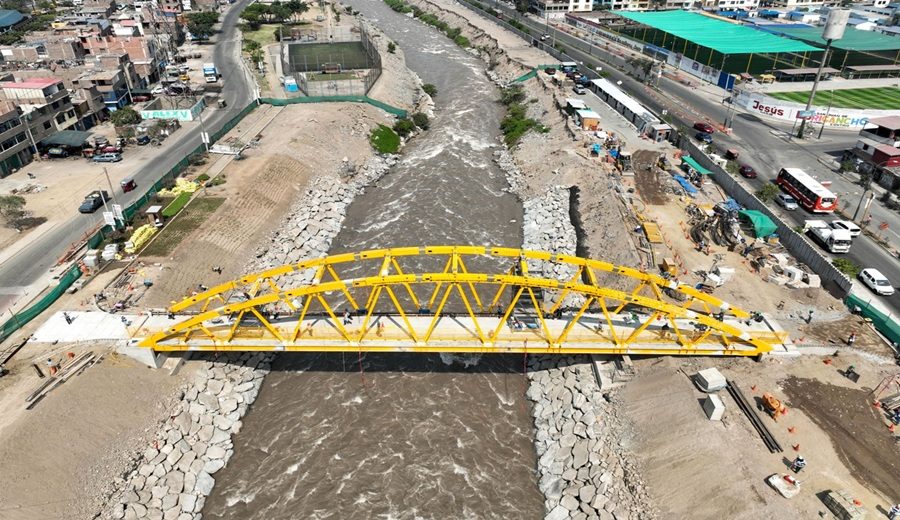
827,361
877,404
857,502
753,388
792,429
891,428
796,447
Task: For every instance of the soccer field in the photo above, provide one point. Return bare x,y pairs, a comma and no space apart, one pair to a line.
878,98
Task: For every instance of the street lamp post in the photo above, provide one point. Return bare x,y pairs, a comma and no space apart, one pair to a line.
834,30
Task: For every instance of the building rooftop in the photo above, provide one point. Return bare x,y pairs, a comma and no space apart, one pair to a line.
38,83
722,37
890,122
8,17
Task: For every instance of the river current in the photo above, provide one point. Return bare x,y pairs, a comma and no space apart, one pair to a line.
401,435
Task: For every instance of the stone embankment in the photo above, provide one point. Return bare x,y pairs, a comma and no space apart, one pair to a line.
171,479
586,472
316,218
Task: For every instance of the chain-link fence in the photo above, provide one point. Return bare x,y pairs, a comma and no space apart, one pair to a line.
347,65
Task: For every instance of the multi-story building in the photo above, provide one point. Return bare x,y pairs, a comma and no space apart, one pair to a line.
111,84
557,9
878,147
141,50
101,8
51,49
644,5
15,143
45,102
799,4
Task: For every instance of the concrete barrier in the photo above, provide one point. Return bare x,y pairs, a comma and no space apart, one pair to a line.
801,248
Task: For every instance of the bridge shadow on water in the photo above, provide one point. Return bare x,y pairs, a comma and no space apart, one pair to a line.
411,362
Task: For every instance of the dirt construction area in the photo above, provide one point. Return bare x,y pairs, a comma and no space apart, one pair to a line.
296,145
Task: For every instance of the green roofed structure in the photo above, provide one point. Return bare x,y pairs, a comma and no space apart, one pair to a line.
722,37
716,44
857,48
762,224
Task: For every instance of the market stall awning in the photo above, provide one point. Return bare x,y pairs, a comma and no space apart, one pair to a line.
693,164
72,138
762,224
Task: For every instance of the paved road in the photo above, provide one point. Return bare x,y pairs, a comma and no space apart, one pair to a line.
757,139
34,261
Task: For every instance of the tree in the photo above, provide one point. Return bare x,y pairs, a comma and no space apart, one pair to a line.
767,192
392,48
200,24
404,127
125,116
848,267
421,120
11,208
429,89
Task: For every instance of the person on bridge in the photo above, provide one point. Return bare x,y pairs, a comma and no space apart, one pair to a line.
798,464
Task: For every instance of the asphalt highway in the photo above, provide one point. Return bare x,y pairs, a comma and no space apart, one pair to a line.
35,260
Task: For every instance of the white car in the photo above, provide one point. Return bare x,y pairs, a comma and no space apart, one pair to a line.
786,201
876,281
854,230
159,89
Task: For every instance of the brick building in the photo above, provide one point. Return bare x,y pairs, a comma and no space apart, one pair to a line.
15,144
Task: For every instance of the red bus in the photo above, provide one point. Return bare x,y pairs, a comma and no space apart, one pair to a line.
809,192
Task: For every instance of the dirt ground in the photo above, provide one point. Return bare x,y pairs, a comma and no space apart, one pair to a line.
60,456
726,462
857,429
649,180
294,147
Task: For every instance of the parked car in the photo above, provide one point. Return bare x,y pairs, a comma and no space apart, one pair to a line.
747,172
876,281
550,71
545,37
93,201
706,128
854,230
56,153
159,89
140,98
108,157
579,89
704,137
142,140
786,201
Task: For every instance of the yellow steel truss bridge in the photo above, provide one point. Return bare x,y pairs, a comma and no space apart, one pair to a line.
464,299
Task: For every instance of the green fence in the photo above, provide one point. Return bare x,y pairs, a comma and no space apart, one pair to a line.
23,317
20,319
887,325
399,112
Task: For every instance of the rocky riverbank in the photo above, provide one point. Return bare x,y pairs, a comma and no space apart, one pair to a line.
173,476
586,471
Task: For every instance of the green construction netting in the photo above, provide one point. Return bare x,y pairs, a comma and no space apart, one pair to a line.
853,40
762,224
885,324
722,37
687,159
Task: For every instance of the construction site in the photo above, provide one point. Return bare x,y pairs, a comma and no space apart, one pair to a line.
603,317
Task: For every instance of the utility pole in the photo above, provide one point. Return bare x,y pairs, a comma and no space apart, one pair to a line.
834,30
827,113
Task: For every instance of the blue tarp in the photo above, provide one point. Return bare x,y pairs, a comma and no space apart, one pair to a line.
688,187
732,205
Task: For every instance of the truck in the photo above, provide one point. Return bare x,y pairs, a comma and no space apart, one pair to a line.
833,240
210,72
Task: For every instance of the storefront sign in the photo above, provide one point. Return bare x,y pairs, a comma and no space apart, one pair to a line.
835,117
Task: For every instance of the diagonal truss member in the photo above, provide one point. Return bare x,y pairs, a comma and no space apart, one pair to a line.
450,308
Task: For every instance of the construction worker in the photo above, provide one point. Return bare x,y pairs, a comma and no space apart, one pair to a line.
851,339
798,464
894,513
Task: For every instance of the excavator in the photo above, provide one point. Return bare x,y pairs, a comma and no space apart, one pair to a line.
773,406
